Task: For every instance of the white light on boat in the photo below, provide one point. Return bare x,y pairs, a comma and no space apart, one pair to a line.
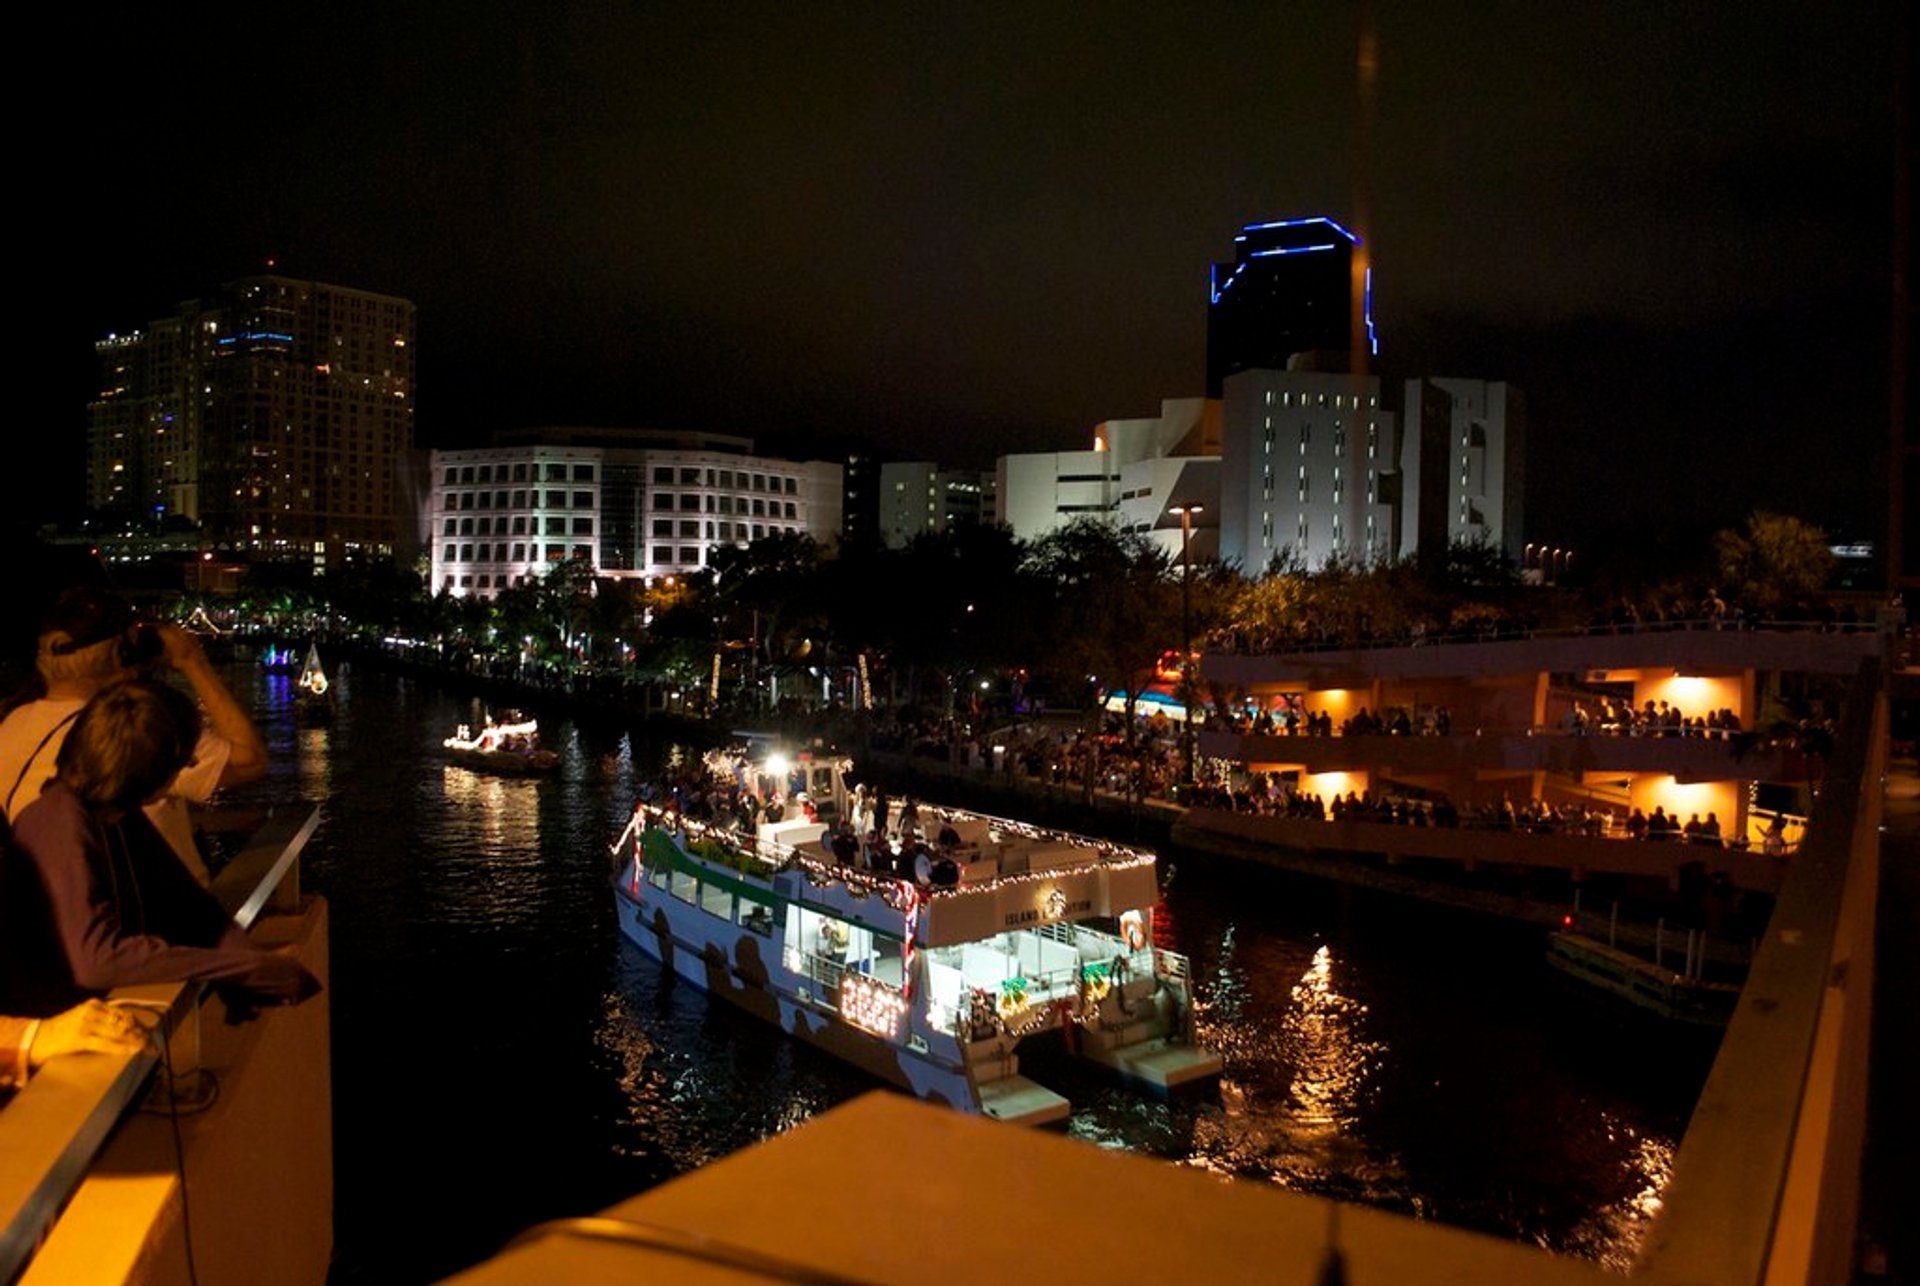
871,1005
778,766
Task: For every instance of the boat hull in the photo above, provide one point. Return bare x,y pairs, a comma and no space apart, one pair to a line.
506,763
745,969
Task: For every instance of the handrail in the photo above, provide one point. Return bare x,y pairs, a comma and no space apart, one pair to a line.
1774,1088
53,1129
1500,634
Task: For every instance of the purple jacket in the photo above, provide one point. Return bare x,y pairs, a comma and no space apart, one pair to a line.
116,907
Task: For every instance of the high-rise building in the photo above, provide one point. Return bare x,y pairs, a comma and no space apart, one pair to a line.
1465,466
1308,463
275,415
918,496
1285,301
632,503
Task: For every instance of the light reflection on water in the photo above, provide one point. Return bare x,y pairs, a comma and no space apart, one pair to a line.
1409,1058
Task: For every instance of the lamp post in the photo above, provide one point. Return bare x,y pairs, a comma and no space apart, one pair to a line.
1186,513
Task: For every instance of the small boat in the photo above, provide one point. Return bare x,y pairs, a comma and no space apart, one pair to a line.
312,694
927,959
501,747
280,660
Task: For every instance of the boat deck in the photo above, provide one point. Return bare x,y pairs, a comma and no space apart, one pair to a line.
1019,1101
1158,1063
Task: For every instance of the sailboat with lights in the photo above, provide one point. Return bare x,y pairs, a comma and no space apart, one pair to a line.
926,958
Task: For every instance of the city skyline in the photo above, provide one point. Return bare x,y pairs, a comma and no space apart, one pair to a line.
963,239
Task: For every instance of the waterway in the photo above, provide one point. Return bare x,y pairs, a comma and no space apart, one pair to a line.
502,1057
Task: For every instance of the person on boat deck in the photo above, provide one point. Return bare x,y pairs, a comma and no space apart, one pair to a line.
909,819
94,897
89,640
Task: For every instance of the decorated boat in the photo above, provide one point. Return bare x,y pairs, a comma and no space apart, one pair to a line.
511,747
312,693
925,957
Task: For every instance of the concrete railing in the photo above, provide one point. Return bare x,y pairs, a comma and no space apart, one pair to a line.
98,1151
1766,1185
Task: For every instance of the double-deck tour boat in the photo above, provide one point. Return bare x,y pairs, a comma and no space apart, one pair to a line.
925,958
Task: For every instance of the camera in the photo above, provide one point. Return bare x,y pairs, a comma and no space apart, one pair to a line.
141,644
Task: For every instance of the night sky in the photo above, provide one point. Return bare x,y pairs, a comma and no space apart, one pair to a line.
958,231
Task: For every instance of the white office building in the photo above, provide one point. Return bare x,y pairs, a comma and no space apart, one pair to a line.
629,502
1309,461
1465,465
1137,474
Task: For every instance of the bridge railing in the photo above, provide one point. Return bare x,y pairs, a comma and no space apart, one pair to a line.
56,1132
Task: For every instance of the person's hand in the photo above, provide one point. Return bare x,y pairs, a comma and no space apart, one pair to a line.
180,649
91,1027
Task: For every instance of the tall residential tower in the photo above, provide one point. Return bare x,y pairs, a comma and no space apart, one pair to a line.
275,414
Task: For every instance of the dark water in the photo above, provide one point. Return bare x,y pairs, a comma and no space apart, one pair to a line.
502,1057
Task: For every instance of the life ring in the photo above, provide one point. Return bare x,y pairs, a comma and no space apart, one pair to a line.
1133,931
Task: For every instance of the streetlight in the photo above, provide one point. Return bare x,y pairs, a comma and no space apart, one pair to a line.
1186,513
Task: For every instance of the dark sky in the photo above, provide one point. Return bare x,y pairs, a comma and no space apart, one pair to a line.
959,231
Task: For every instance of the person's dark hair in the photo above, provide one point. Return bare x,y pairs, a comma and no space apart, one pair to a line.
129,742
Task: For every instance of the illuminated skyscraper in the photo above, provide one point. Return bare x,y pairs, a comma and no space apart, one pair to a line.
275,415
1288,292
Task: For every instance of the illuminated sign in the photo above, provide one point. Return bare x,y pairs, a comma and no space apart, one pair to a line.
871,1005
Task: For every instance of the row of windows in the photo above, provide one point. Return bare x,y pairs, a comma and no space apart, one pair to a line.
518,499
665,475
686,502
1320,399
521,526
515,553
522,472
723,531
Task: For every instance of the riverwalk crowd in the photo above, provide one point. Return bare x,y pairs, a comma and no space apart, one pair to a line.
1103,762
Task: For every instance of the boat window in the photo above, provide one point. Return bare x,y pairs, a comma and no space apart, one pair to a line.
715,900
757,918
657,876
683,886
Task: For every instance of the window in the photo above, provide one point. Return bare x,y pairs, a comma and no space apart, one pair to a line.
663,475
661,500
449,530
519,500
583,473
556,500
583,500
466,553
688,528
689,555
583,526
726,477
466,526
662,553
583,553
519,553
556,473
447,554
663,526
716,900
453,476
520,524
689,477
690,503
519,473
790,512
793,486
466,474
556,527
486,473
